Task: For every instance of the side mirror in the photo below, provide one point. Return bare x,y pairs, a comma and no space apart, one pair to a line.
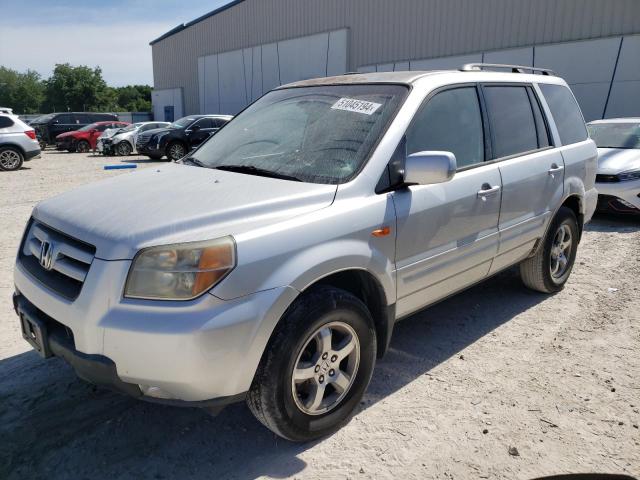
425,168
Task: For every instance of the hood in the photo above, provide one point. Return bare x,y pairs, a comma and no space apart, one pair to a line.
68,134
616,160
110,132
175,203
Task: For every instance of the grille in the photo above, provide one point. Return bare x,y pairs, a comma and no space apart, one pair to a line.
600,178
57,261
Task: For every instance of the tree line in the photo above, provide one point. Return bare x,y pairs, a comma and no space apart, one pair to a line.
69,88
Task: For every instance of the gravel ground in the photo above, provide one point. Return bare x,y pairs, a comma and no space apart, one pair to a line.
495,382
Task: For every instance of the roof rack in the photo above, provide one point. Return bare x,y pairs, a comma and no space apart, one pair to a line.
475,67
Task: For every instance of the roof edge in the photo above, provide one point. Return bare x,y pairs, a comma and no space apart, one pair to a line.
183,26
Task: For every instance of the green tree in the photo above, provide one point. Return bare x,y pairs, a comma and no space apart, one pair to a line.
23,92
134,98
78,88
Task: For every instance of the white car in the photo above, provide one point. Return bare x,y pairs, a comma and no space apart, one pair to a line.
618,178
18,142
122,141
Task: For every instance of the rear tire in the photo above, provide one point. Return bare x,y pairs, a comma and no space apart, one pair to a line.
316,367
83,146
549,269
11,159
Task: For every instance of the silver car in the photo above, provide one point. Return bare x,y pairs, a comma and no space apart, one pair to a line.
122,141
273,262
18,142
618,177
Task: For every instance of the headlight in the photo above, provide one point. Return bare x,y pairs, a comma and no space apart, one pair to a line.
180,272
629,175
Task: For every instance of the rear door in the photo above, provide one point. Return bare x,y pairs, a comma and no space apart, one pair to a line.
447,234
65,122
532,170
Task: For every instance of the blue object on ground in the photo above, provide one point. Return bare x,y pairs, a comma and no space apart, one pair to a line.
120,167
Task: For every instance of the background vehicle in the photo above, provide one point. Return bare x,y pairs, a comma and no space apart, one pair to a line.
17,142
122,141
6,110
618,178
85,139
290,243
48,127
177,139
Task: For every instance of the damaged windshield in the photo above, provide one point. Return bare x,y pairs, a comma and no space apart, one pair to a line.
314,134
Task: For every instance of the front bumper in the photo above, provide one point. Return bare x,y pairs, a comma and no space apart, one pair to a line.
199,351
611,193
154,150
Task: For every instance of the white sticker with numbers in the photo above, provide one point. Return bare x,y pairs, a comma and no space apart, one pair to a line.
358,106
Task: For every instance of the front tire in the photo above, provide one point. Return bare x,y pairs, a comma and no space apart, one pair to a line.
175,151
549,269
316,366
123,149
11,159
83,146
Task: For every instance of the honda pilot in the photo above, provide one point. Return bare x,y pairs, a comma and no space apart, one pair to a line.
271,264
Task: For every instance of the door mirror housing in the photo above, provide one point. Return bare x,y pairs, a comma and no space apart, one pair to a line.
426,168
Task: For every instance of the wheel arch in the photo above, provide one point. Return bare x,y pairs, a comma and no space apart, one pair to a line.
366,287
13,145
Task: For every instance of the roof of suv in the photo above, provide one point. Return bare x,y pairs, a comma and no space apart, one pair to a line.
409,77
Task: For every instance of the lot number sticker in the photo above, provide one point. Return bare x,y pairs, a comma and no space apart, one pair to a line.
358,106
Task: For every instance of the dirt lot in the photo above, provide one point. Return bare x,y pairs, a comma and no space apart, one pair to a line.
556,377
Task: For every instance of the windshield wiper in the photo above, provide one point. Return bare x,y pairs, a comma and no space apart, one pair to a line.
193,161
251,170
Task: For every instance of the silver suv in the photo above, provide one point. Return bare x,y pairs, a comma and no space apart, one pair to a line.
272,263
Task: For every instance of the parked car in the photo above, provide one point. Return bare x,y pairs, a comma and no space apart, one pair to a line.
122,141
17,142
618,178
288,245
85,139
48,127
177,139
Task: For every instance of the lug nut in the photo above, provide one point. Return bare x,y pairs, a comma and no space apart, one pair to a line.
334,358
332,372
325,355
321,379
317,369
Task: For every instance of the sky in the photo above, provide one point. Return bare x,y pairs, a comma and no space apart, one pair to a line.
112,34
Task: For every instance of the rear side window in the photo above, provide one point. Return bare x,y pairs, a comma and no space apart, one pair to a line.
65,119
513,127
565,112
5,122
204,123
83,119
450,121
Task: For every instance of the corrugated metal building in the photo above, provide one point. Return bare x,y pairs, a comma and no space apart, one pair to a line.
222,61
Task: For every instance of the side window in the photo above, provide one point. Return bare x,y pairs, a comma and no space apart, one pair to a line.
513,127
218,122
566,113
541,126
5,122
83,119
204,123
450,121
65,119
103,127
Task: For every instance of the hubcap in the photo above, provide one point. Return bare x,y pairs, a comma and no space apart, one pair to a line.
560,251
9,159
124,149
326,368
177,152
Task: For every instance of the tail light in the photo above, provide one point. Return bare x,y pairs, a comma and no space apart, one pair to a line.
31,134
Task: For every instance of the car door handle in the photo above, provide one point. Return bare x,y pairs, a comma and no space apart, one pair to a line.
488,191
555,169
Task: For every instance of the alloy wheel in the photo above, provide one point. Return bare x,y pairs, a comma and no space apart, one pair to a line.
9,160
325,368
561,251
176,151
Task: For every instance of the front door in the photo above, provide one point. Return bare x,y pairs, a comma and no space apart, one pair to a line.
447,234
